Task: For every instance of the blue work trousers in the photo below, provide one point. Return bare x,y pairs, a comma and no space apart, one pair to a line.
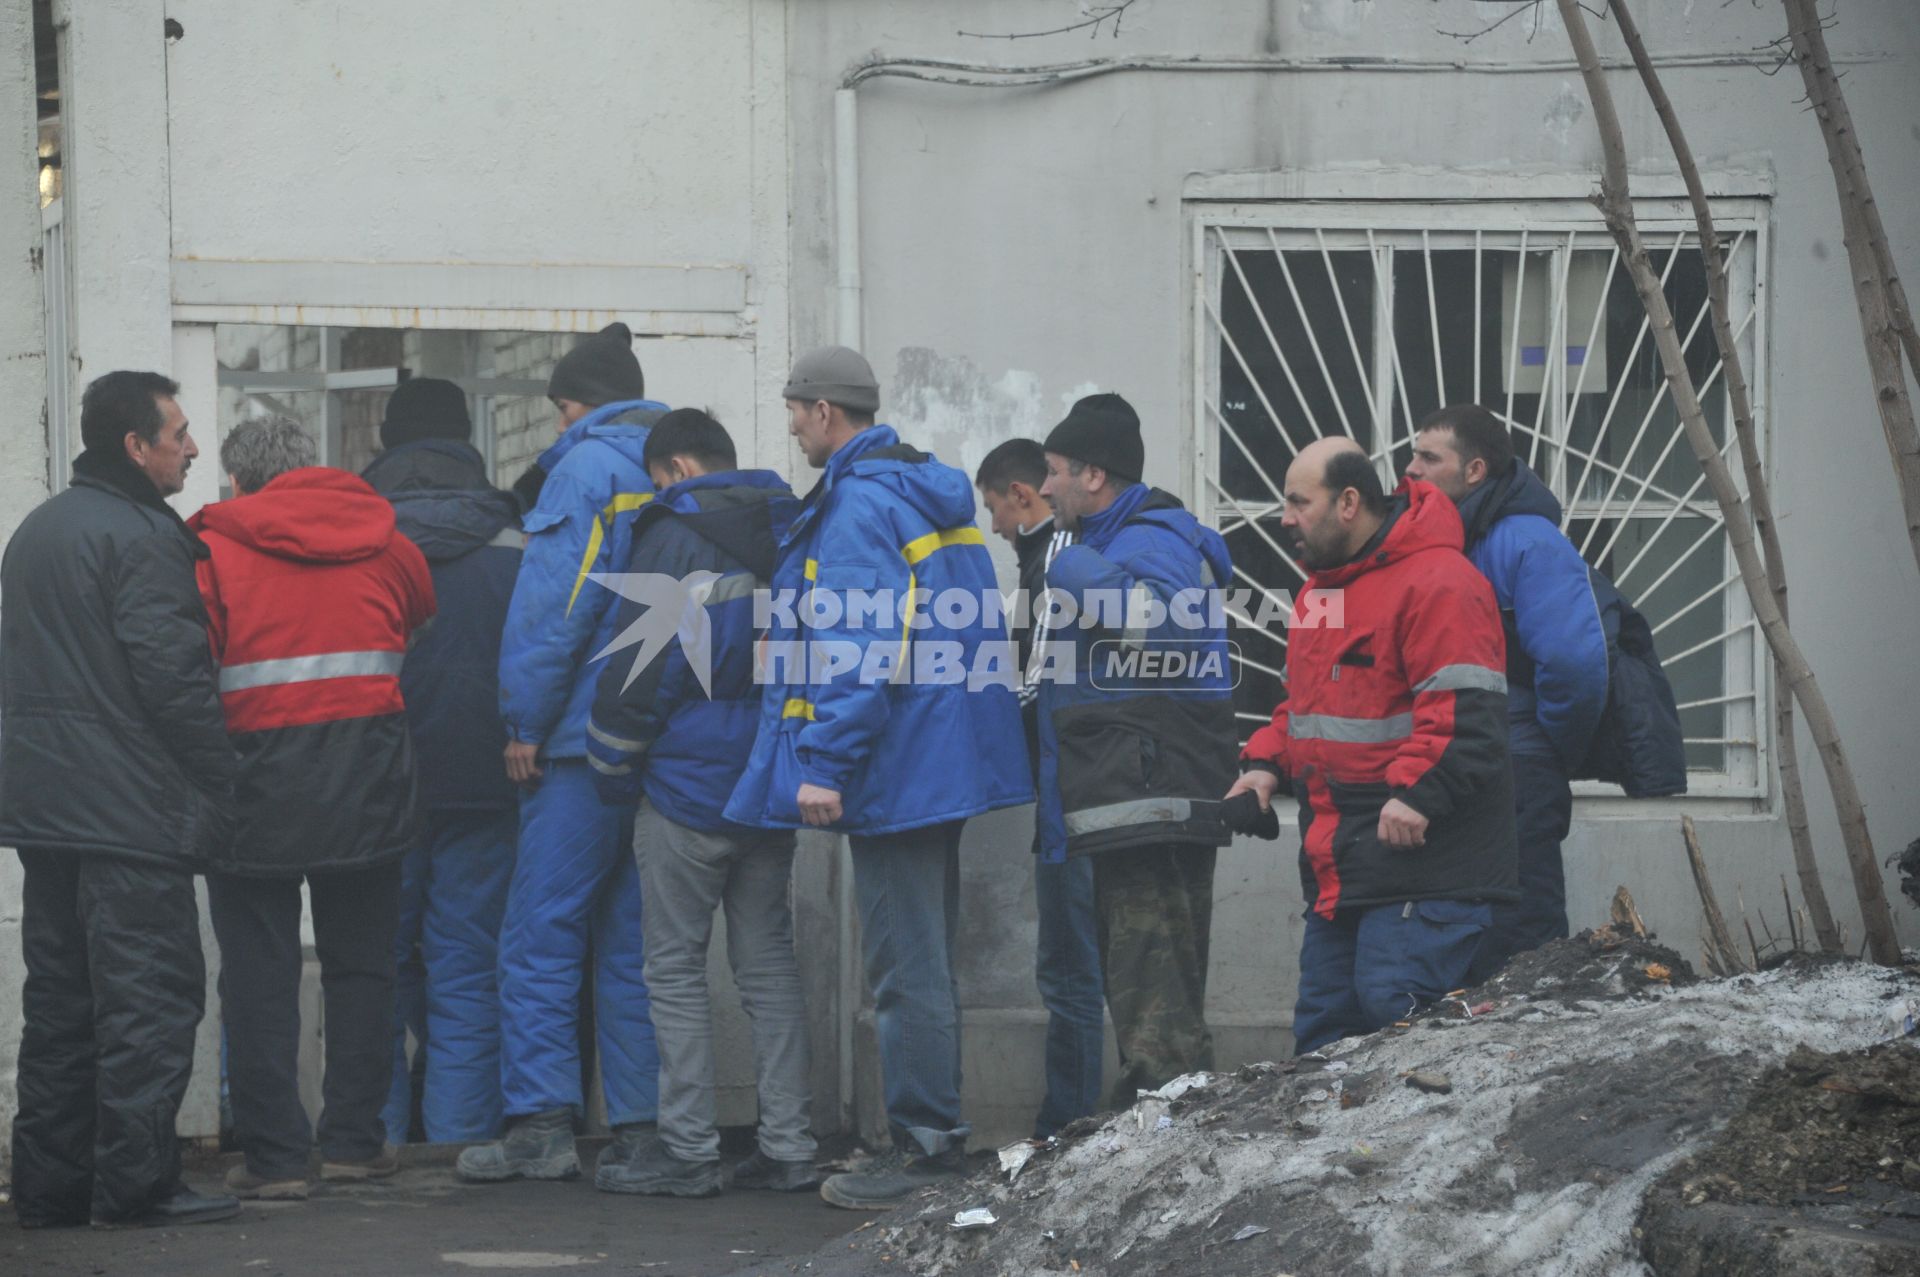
1067,971
575,887
908,888
453,895
1369,967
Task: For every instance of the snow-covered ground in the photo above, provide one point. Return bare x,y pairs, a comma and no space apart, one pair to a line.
1585,1081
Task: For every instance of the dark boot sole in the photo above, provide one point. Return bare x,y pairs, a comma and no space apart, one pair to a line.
656,1188
213,1216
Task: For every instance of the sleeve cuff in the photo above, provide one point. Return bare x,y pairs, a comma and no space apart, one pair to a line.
1260,765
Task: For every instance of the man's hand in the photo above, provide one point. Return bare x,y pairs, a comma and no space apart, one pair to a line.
818,804
1401,825
1259,782
523,763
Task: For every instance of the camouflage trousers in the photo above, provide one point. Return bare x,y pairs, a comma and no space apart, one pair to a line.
1155,914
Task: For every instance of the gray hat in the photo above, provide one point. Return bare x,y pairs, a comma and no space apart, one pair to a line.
837,375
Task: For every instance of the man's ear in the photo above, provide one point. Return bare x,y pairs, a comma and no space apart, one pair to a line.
132,445
1021,493
1476,472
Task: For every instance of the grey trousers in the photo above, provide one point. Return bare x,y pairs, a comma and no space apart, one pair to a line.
684,874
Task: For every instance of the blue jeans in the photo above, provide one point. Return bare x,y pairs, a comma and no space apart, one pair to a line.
1370,967
453,897
908,888
1543,813
575,878
1067,971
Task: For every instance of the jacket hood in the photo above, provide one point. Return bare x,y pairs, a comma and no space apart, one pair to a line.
1423,518
942,494
1141,504
743,512
1519,491
624,425
446,524
427,464
313,515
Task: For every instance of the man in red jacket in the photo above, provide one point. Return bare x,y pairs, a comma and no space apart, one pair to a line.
311,597
1393,737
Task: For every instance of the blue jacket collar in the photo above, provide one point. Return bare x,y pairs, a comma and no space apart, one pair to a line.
1098,529
681,493
871,439
596,422
1520,491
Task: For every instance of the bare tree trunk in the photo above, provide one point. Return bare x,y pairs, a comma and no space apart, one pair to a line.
1616,206
1886,323
1758,496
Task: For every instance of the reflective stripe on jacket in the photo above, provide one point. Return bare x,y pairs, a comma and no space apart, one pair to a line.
1405,699
311,598
885,521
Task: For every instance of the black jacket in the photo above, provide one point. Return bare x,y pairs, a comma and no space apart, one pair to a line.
111,734
469,532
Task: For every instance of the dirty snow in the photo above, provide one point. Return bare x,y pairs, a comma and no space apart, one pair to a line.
1561,1114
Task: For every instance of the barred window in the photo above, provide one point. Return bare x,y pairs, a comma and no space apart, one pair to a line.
1319,319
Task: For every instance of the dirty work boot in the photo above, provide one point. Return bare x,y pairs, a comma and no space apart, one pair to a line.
760,1171
248,1187
890,1179
182,1206
539,1146
382,1164
629,1138
653,1169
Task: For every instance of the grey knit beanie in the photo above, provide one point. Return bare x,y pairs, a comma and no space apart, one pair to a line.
837,375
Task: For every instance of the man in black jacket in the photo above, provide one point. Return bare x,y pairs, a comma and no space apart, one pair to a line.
453,888
1067,949
116,784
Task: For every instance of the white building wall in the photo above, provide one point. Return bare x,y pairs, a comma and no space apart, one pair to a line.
1022,246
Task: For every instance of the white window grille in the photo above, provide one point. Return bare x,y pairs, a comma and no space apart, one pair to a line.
1316,319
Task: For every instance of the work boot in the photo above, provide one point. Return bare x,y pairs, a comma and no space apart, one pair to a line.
629,1138
381,1165
539,1146
653,1169
760,1171
890,1179
183,1206
248,1187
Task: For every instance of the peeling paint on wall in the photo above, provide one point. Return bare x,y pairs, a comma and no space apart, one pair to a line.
949,406
1564,111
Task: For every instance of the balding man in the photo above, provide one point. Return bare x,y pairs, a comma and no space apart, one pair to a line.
1394,739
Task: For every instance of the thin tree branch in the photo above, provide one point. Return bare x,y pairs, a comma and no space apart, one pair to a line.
1615,202
1093,20
1760,499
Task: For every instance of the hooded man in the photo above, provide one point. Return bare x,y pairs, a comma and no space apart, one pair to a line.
1557,662
1393,738
312,597
575,887
886,717
675,722
454,884
116,784
1137,732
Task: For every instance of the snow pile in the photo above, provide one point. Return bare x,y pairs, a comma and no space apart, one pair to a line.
1583,1082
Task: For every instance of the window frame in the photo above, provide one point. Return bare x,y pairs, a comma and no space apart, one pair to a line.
1389,207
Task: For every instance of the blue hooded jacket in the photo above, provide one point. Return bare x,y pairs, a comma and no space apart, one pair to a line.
1137,734
912,721
1556,641
581,524
469,532
658,728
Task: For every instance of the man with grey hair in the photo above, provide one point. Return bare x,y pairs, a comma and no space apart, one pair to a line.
311,597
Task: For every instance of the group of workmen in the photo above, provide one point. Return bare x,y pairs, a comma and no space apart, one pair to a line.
318,679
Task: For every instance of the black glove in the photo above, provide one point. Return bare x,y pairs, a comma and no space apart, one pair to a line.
1242,814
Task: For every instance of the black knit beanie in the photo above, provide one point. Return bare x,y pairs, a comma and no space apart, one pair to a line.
425,408
1104,431
601,369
